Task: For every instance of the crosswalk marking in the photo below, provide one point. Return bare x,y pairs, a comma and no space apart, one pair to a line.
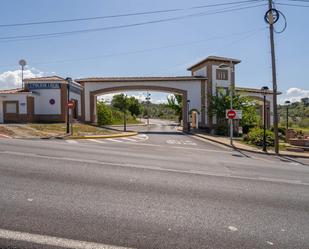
114,140
128,139
71,141
97,141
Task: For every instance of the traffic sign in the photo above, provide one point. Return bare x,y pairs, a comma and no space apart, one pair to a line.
71,104
233,114
230,114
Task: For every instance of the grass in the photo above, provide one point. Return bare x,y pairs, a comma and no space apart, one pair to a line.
78,129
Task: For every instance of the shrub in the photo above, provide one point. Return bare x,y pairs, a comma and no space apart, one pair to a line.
104,114
304,123
255,136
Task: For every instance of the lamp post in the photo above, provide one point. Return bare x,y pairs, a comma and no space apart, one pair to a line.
69,81
287,103
232,81
264,92
148,102
124,112
188,118
22,63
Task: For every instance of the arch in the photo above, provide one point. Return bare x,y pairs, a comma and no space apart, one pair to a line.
261,99
102,91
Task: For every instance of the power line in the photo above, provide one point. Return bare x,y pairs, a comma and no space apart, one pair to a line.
56,34
249,32
125,15
293,5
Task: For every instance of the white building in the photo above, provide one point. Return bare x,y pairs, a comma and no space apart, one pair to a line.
45,98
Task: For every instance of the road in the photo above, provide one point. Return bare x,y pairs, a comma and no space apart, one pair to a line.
161,189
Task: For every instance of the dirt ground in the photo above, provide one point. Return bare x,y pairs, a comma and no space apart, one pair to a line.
49,130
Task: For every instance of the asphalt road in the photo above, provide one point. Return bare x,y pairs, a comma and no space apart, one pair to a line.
161,189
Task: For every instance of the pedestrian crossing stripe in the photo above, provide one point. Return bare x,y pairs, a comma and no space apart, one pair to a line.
114,140
71,141
97,141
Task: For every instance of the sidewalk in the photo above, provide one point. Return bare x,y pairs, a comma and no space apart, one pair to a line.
240,146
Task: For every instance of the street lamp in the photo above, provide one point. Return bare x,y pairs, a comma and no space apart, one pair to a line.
148,102
188,118
287,104
264,90
22,63
69,82
231,95
124,112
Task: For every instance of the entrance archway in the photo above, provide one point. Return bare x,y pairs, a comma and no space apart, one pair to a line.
95,94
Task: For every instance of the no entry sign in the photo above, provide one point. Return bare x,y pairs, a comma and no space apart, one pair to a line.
231,114
71,104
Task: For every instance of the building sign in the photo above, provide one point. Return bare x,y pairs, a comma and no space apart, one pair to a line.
33,86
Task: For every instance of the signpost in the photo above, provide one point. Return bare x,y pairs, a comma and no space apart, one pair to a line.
71,105
233,114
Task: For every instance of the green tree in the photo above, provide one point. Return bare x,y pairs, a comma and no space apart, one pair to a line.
134,106
221,102
119,102
104,114
175,102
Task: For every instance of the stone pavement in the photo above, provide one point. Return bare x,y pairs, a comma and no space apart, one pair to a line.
241,146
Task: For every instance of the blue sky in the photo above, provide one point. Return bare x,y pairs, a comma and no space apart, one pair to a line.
165,48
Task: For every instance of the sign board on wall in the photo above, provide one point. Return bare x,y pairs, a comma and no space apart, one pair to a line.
33,86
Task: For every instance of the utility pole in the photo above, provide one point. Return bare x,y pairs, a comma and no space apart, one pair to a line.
271,22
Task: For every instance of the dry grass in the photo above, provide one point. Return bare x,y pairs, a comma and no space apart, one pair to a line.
78,129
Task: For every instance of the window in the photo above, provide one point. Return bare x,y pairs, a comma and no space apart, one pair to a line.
11,108
222,74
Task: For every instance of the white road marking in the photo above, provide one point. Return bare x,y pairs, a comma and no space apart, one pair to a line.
151,167
270,243
5,136
114,140
30,199
97,141
71,141
232,228
54,241
128,139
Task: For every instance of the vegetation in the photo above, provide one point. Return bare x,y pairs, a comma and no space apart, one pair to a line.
109,115
221,102
175,102
159,111
298,115
60,128
256,136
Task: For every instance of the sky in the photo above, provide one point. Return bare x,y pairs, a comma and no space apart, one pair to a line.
164,43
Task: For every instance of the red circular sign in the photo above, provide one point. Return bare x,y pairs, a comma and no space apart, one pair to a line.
71,104
231,114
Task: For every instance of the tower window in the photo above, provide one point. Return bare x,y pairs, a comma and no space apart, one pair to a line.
222,74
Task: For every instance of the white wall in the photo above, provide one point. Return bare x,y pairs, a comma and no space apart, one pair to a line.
219,83
41,102
201,72
22,103
76,96
193,87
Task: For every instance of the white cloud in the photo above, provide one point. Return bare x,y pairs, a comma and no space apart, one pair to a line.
294,94
12,79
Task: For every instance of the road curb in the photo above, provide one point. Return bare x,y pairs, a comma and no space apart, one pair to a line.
247,150
128,134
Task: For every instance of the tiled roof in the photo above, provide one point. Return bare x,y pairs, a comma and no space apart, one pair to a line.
132,79
47,78
214,58
12,91
253,90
